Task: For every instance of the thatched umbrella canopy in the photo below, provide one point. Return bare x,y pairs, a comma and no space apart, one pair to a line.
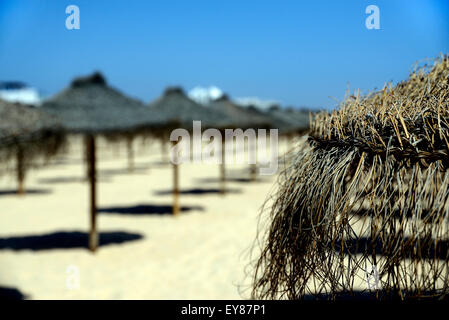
293,121
243,118
90,107
174,106
179,111
365,205
27,133
240,117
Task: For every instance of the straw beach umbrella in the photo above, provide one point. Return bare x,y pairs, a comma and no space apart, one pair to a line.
25,134
179,111
90,107
367,196
294,122
239,117
174,106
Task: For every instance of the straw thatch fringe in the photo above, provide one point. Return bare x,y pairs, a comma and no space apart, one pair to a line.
27,135
368,191
31,153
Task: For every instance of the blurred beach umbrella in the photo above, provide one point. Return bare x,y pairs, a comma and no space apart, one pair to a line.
175,107
179,111
243,118
289,120
90,107
27,133
240,117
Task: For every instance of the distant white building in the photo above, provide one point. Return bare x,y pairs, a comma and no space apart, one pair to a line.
256,102
14,91
205,95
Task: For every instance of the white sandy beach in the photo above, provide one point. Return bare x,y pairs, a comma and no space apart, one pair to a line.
200,254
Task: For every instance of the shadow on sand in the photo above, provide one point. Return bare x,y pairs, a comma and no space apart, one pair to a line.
400,214
11,294
64,240
196,191
236,180
74,179
138,169
160,164
429,249
70,179
145,209
13,192
373,295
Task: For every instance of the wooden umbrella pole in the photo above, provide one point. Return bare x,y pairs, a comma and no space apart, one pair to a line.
116,146
253,171
252,156
129,144
93,236
86,156
290,141
164,149
175,187
223,167
20,171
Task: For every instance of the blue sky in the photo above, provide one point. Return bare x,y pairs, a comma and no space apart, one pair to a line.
298,52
